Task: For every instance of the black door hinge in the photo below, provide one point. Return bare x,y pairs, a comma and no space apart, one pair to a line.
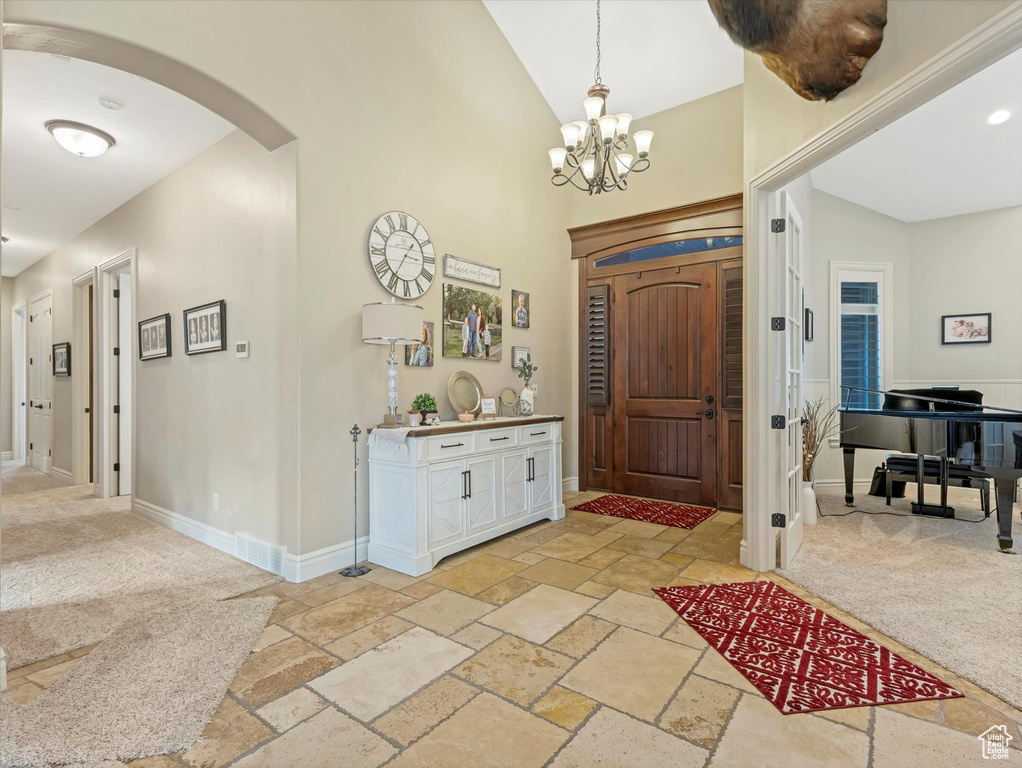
117,409
31,447
117,293
778,422
778,520
50,452
117,467
776,323
117,351
31,318
87,410
776,225
31,361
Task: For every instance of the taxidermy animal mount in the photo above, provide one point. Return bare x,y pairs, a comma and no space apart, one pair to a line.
818,47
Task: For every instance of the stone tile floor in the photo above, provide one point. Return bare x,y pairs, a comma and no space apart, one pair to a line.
542,648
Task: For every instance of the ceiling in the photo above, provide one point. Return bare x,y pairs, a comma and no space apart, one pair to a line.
657,54
943,159
50,195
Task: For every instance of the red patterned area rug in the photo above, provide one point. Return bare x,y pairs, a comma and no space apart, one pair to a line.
648,510
799,657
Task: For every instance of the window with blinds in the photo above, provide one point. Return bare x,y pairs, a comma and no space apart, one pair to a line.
732,361
860,335
597,357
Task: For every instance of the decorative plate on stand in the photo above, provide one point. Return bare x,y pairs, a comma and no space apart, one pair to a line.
465,392
508,400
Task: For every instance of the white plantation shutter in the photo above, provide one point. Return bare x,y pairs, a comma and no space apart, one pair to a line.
860,336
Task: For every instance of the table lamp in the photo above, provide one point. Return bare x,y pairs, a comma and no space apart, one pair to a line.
394,324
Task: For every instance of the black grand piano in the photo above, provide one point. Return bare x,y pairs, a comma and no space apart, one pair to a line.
952,425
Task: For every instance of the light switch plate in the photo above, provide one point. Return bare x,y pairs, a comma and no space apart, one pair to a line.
241,349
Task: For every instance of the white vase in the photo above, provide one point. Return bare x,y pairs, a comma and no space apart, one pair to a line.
808,504
526,402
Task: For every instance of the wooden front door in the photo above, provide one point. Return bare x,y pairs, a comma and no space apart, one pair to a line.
665,372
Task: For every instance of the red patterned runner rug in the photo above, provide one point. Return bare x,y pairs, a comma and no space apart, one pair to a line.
800,658
648,510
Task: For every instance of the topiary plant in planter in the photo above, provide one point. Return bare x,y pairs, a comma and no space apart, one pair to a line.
424,403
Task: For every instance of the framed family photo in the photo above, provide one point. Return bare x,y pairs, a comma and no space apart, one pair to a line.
154,337
206,328
520,309
965,329
472,323
62,359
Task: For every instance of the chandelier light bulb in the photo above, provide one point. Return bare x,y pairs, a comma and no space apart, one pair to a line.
557,156
594,108
624,122
583,132
623,162
570,133
642,141
608,126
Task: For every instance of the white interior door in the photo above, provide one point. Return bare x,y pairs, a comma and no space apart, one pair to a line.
40,345
791,301
19,399
124,360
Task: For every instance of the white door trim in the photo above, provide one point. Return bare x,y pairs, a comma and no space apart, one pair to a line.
80,448
106,369
764,463
19,380
44,294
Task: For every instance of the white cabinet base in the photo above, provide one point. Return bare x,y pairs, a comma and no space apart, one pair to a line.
454,490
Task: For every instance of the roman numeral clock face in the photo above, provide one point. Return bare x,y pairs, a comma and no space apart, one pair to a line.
402,255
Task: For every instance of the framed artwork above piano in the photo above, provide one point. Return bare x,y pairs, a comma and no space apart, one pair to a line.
965,329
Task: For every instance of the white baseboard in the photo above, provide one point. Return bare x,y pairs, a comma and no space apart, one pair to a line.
334,558
61,473
569,484
857,484
7,456
193,529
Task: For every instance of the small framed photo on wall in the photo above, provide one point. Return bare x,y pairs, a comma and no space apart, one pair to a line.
206,328
520,309
154,337
518,355
965,329
62,359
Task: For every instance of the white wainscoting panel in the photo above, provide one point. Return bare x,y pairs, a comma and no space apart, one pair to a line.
829,470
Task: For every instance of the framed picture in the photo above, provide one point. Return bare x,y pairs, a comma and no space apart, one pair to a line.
518,355
488,406
519,309
470,272
206,328
62,359
473,323
421,354
154,337
965,329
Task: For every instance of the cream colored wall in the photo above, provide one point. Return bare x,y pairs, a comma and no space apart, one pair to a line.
222,226
6,302
777,120
422,107
696,155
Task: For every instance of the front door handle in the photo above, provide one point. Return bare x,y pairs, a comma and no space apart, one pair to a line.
708,413
39,407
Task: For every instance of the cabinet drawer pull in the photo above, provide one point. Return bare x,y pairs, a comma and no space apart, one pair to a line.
534,434
498,439
454,445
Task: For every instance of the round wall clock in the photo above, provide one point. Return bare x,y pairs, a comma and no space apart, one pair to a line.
402,255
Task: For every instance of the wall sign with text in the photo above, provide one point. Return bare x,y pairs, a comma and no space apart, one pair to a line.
470,272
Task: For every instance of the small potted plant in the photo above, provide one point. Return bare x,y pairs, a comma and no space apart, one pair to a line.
423,406
527,400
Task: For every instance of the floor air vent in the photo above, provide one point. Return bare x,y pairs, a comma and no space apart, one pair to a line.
267,556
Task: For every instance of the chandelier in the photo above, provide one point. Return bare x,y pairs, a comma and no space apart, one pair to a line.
593,158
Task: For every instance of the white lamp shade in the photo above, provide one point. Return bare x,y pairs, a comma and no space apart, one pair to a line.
570,134
583,132
588,167
608,124
388,322
594,108
623,164
557,156
642,142
624,122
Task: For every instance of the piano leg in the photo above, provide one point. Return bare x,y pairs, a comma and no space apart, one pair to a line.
1005,494
849,475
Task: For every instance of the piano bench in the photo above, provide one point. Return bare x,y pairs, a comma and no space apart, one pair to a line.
905,467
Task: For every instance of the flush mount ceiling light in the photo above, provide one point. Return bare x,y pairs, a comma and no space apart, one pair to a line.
999,117
80,139
594,153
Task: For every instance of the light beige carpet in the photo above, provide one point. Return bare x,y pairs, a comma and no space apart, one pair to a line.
150,688
76,567
941,587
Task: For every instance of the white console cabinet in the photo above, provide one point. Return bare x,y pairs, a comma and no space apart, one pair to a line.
459,485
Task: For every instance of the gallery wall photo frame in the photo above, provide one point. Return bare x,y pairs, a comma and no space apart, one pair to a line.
519,355
471,271
521,310
154,337
62,359
975,328
205,328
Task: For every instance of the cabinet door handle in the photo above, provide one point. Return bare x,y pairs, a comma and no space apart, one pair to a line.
464,486
469,475
453,445
536,434
531,468
498,439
